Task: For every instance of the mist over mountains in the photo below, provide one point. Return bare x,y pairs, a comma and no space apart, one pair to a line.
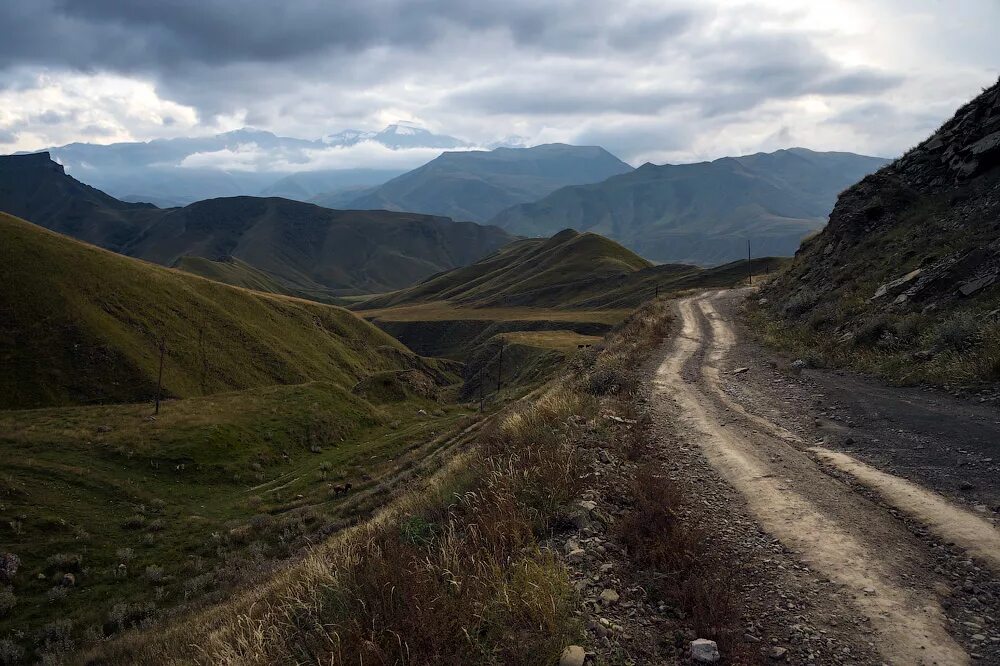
179,171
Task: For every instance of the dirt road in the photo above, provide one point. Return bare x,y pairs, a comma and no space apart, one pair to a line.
921,566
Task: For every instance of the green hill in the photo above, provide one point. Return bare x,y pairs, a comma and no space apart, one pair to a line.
476,185
82,325
567,271
702,213
304,249
905,279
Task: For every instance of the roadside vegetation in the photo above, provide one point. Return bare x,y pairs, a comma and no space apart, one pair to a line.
463,562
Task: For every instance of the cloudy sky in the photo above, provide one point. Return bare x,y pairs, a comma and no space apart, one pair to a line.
651,80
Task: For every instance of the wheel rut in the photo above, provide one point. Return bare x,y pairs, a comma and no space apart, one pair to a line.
883,569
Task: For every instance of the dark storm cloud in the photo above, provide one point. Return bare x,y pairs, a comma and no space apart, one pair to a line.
164,35
681,76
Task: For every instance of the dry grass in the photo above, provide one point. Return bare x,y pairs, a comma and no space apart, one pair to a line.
454,572
564,341
446,575
442,310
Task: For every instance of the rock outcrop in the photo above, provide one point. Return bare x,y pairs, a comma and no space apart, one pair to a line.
920,238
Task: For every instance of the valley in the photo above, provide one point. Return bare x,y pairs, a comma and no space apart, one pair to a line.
564,351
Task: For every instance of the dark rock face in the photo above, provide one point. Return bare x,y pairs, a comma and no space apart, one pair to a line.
966,146
921,237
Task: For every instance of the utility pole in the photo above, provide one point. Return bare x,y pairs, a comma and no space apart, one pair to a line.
159,379
500,367
749,264
204,362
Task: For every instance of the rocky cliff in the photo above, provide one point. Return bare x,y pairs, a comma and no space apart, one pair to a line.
909,264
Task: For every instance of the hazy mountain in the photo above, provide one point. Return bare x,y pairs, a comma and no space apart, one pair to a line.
398,135
306,249
476,185
310,185
702,213
171,172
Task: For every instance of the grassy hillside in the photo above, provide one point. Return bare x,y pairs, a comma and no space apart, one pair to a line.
115,516
230,270
905,280
702,213
476,185
569,271
81,324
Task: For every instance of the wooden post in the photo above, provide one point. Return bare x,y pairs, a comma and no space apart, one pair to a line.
480,390
204,362
749,264
500,368
657,291
159,379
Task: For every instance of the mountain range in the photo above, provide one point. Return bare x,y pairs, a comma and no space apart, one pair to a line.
179,171
304,249
476,185
702,213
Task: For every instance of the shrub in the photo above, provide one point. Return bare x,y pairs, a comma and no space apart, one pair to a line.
56,638
154,573
125,615
800,302
125,554
957,332
136,522
10,652
57,594
157,525
7,601
9,563
64,562
872,329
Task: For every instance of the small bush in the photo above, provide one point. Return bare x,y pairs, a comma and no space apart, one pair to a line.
800,302
125,615
957,332
64,562
136,522
7,601
56,638
872,330
154,573
157,525
57,594
10,652
125,554
9,563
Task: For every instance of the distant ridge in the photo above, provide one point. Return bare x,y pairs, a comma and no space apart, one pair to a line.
305,249
476,185
702,213
570,270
